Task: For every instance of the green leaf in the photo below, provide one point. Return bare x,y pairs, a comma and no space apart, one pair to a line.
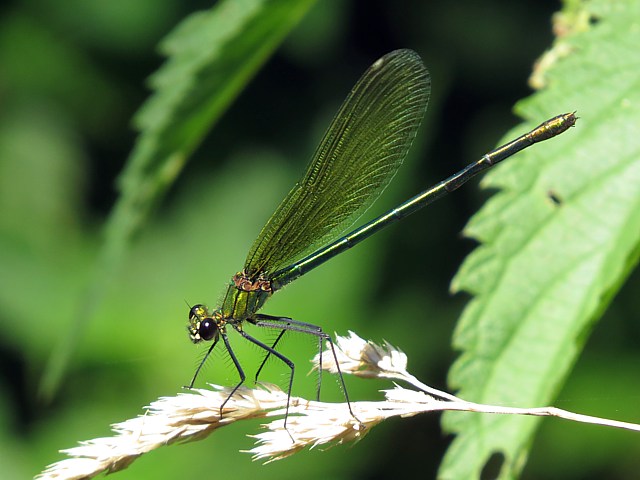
212,56
558,241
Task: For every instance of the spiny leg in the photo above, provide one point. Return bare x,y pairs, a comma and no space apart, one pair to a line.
270,321
243,377
342,384
268,354
285,323
284,359
195,375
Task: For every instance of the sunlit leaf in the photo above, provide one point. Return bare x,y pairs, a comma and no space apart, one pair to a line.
557,242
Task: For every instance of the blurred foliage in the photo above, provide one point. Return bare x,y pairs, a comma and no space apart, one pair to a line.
73,74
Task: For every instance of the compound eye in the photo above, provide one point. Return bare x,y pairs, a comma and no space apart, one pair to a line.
208,329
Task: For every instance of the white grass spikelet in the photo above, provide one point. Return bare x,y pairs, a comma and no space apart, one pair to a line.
196,414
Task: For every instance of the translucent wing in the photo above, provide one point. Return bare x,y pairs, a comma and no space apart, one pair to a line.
358,156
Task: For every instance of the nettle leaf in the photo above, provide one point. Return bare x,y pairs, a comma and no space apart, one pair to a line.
557,242
212,55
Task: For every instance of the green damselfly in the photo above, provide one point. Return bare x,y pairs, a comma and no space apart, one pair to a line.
358,156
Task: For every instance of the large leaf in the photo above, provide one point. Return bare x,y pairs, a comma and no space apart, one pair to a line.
557,242
212,56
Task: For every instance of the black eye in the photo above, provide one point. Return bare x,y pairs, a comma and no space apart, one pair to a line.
208,329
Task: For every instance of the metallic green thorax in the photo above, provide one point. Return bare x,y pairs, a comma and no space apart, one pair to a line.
244,297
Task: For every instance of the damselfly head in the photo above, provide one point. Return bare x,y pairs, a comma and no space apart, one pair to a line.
201,325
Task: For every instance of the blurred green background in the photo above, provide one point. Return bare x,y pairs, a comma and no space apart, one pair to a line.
72,74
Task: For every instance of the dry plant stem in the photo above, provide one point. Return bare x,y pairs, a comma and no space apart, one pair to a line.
540,412
455,402
194,415
366,358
